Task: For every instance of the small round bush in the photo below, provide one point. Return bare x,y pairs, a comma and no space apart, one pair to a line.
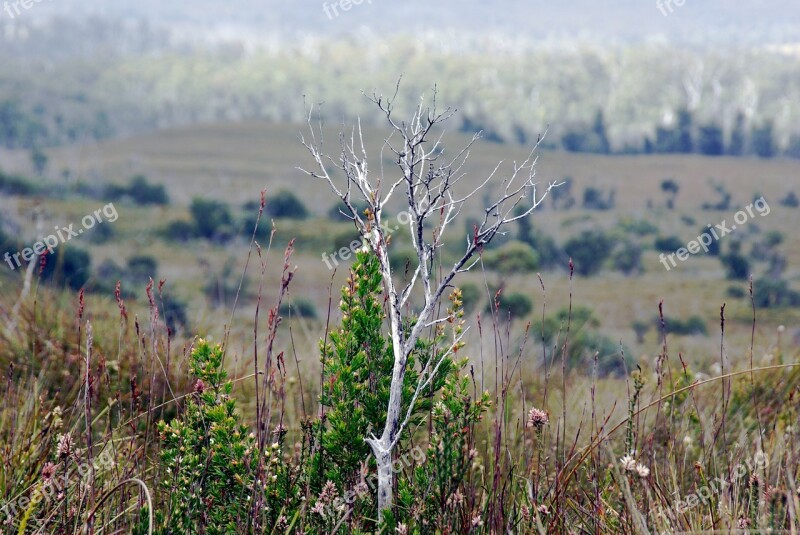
301,307
470,296
668,244
285,205
589,250
513,257
515,304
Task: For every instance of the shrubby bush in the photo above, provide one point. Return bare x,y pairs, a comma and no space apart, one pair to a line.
513,257
514,304
736,265
140,191
790,201
300,307
668,244
337,211
627,258
772,293
589,251
211,219
596,199
694,325
470,296
584,342
285,205
69,266
17,185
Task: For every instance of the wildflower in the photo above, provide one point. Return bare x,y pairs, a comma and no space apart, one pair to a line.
642,470
281,523
476,521
48,471
543,510
455,499
526,513
402,529
628,463
199,386
328,493
65,446
537,418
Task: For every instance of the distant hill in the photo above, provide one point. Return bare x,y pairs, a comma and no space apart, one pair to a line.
758,21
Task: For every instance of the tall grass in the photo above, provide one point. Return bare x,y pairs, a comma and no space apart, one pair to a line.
112,424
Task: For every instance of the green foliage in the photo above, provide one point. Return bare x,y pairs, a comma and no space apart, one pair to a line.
434,496
39,161
762,139
667,244
69,266
17,185
301,307
711,140
357,368
212,219
627,258
589,250
771,293
597,199
140,191
209,457
513,257
471,296
640,227
339,212
285,205
514,304
694,325
583,342
791,200
736,265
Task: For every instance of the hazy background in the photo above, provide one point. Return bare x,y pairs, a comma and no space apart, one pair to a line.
180,112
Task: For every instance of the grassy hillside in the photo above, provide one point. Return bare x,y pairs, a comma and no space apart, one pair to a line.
233,162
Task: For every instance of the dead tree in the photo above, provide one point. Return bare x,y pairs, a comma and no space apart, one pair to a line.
429,182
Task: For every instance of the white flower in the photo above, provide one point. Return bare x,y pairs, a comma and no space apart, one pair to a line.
628,463
642,470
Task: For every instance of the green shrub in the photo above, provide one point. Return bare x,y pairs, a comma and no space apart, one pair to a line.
339,212
514,304
209,457
584,342
139,191
301,307
212,219
68,266
736,292
694,325
736,266
628,258
668,244
141,269
17,185
513,257
589,250
286,205
771,293
180,230
471,296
